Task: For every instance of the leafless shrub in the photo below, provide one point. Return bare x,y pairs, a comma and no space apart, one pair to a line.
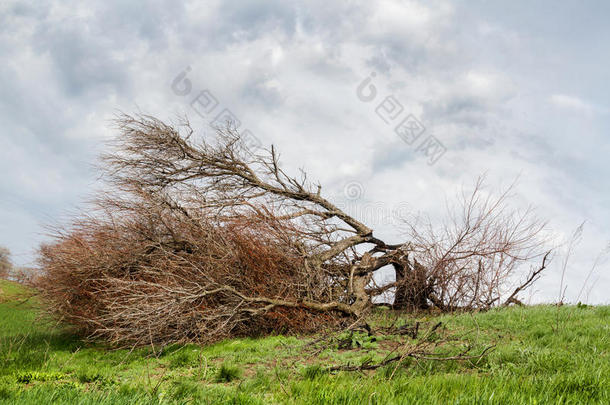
471,259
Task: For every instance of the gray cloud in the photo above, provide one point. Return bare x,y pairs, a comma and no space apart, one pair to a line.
508,92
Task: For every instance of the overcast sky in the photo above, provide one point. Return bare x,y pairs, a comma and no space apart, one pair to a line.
505,88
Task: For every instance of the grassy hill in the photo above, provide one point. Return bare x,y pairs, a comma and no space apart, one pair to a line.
541,354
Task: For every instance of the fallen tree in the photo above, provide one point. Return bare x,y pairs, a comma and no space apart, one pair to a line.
197,241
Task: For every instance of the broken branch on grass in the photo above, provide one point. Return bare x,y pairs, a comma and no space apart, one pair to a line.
413,354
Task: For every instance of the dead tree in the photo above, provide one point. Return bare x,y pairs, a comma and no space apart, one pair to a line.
198,240
227,181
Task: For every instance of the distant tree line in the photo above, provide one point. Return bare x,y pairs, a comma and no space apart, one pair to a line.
6,264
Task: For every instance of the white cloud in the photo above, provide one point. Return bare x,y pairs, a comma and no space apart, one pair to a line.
572,103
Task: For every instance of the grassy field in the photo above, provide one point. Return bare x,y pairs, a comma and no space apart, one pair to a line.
542,354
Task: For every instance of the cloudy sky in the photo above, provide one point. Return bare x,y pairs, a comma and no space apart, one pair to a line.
503,88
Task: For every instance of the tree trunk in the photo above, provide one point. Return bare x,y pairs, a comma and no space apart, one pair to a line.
400,296
411,286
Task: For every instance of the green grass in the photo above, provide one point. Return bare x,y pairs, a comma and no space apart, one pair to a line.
543,354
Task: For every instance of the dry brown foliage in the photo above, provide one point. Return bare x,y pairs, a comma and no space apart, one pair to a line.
155,279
